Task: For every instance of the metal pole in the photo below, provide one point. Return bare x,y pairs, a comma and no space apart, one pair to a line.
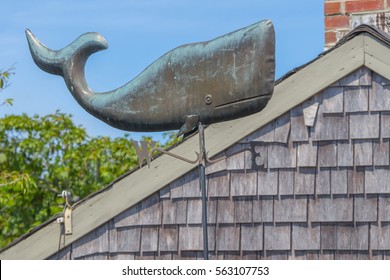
202,183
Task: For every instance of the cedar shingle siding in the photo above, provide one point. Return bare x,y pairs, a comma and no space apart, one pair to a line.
312,184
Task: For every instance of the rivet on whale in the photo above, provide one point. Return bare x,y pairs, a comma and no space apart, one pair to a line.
222,79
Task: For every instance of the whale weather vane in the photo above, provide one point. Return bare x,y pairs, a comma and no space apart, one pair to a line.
190,86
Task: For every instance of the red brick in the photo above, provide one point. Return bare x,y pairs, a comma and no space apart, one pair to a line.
330,37
363,6
332,8
336,22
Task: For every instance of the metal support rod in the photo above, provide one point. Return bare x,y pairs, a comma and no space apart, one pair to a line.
201,160
202,183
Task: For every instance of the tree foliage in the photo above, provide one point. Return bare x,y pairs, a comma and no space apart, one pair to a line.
4,83
57,155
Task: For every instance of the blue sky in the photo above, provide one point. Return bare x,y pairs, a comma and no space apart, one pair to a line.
138,32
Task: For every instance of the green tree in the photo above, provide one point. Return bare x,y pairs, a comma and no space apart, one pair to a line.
4,83
57,155
11,182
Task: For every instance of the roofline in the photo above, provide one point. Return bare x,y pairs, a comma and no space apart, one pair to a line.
361,50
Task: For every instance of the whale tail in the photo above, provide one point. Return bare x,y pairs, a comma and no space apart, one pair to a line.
68,60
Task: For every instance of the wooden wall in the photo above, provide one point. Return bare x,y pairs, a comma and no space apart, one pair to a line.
313,184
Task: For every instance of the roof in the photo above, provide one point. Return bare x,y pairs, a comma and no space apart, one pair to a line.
365,46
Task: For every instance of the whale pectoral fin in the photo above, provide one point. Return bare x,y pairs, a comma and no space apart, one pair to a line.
189,125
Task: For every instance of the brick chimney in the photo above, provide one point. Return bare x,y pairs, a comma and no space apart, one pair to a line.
341,16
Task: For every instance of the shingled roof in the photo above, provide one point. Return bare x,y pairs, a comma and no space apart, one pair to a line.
305,178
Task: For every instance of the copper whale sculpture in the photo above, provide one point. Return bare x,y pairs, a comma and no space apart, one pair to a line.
222,79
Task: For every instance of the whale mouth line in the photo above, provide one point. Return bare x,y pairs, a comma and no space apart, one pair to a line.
244,100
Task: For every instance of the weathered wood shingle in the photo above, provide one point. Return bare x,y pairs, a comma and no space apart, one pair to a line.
364,126
276,131
379,94
350,237
219,185
121,256
307,154
377,180
228,238
327,154
211,233
212,211
338,181
282,129
97,257
282,155
128,217
149,239
190,238
345,153
299,131
225,211
277,237
150,212
264,134
263,210
92,243
381,152
236,161
385,125
330,127
384,208
168,239
177,188
328,209
194,211
181,211
286,181
380,236
243,183
328,236
304,181
365,208
333,100
323,181
360,77
290,209
221,165
267,209
356,179
251,237
267,182
310,114
129,239
363,152
306,236
356,99
168,212
243,210
191,185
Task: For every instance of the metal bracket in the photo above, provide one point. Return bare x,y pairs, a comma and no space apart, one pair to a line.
68,221
66,217
145,155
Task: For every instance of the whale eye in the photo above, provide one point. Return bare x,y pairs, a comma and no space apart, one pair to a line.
208,99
